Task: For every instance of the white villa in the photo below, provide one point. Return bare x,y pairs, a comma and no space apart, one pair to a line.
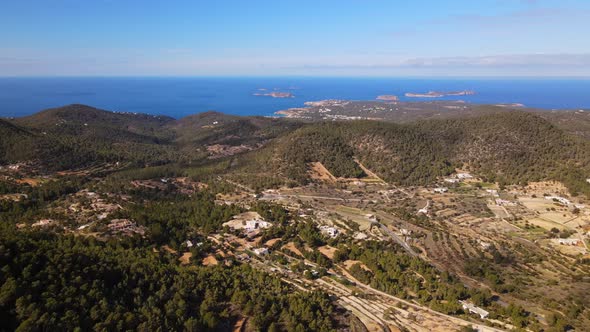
248,221
464,176
330,231
255,224
560,199
474,310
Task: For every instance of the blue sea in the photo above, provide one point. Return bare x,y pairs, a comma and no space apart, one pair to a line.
178,97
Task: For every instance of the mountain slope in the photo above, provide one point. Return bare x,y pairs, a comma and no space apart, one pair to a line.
91,125
514,146
16,143
509,147
82,135
219,128
78,135
78,119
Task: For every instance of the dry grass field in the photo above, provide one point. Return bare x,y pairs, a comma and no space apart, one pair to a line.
546,223
536,204
356,215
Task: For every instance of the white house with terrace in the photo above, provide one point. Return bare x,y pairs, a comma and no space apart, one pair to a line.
559,199
474,310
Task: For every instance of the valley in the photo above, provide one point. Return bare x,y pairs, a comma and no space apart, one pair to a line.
434,216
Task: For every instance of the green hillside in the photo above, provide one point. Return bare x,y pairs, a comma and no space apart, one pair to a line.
16,143
513,147
506,147
219,128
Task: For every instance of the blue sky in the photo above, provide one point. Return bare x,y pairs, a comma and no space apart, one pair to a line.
317,38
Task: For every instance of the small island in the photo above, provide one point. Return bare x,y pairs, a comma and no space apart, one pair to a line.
276,94
438,94
388,98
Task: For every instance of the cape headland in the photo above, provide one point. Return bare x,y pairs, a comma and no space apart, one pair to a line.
439,94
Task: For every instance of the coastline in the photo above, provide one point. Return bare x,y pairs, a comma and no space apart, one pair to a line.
439,94
184,96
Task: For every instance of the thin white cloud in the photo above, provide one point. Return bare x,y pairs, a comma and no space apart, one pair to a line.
370,64
516,60
533,16
504,60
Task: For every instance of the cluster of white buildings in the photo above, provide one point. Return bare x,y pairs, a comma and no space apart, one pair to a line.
459,177
14,167
125,226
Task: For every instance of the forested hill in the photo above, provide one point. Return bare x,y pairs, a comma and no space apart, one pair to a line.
507,147
510,147
77,136
16,143
81,135
81,116
218,128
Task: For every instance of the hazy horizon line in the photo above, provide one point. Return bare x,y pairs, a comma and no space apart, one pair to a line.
583,77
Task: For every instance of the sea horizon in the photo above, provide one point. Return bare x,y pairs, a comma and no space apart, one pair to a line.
179,96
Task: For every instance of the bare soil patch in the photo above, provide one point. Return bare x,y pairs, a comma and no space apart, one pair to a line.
30,181
291,246
170,250
272,242
348,263
317,171
185,259
328,251
210,260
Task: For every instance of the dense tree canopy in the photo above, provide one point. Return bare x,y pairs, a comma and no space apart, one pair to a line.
53,282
